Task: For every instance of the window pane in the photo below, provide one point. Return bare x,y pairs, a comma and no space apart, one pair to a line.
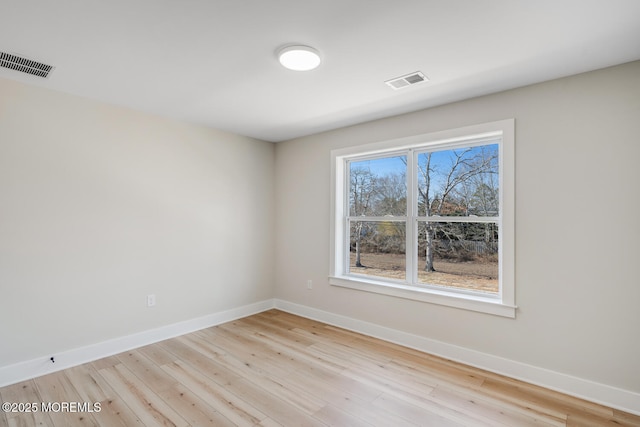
378,187
462,255
378,249
459,182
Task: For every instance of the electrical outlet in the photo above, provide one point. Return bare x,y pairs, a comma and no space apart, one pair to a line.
309,284
151,300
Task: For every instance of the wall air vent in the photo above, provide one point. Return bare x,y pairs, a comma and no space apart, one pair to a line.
408,80
24,65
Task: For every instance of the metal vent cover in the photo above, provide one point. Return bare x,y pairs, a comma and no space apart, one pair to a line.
24,65
407,80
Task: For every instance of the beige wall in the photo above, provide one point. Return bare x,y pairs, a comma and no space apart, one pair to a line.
577,228
100,206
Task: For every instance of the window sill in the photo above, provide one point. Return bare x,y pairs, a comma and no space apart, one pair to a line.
477,303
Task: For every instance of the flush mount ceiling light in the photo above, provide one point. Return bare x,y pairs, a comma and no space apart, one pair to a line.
299,58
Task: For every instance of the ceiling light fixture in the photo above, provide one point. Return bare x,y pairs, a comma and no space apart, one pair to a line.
299,58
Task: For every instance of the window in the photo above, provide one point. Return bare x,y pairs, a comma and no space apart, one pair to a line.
428,218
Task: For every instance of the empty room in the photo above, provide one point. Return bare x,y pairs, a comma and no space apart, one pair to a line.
331,213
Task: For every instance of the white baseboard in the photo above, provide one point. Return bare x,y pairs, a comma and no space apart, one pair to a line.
624,400
15,373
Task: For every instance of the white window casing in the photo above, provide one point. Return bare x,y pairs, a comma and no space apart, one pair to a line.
501,303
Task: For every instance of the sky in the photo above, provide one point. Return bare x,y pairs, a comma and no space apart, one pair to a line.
440,160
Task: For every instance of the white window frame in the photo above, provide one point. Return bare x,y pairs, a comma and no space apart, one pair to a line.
502,303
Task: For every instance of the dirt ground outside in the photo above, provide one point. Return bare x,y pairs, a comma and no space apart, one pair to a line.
478,275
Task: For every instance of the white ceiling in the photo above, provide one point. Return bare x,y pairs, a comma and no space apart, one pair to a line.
213,61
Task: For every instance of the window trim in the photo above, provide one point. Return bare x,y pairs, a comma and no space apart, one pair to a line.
502,304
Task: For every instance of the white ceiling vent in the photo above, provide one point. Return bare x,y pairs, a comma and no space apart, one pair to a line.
24,65
408,80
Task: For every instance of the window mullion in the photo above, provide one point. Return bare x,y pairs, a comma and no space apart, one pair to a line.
346,244
411,248
478,219
378,218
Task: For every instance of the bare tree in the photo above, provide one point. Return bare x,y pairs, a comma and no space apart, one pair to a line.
361,197
426,172
391,195
391,201
449,189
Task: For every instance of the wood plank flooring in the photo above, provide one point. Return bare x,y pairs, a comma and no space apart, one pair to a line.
277,369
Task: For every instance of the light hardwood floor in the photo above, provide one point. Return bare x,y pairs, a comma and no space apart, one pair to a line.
275,369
